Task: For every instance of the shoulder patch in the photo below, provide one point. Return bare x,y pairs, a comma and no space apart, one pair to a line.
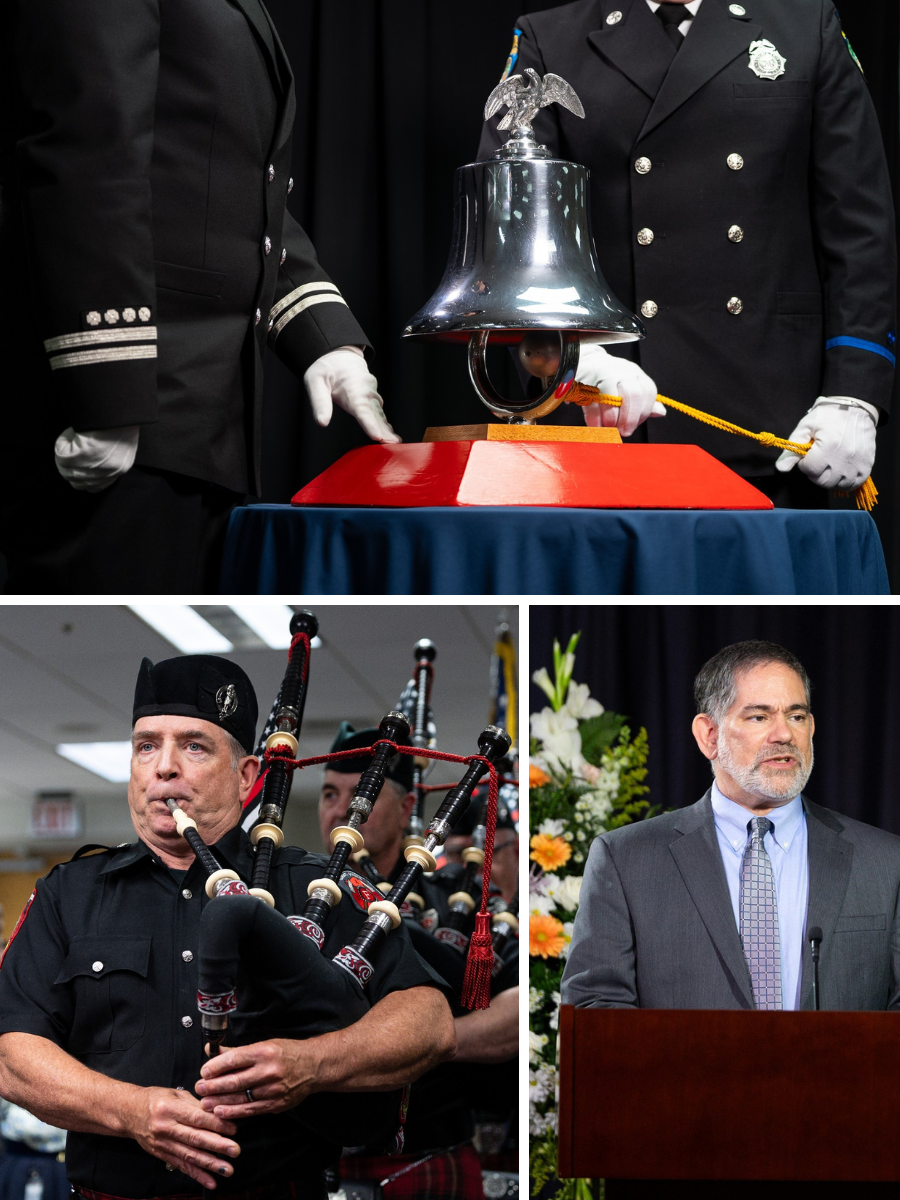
513,55
19,924
852,51
362,892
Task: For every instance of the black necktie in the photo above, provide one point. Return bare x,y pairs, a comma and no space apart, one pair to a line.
671,16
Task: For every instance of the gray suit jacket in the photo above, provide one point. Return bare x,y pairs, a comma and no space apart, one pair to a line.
656,929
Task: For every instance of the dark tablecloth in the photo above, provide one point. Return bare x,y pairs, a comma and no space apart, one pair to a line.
274,548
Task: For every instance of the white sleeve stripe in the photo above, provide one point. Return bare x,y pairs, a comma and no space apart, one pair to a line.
298,308
81,358
289,299
95,337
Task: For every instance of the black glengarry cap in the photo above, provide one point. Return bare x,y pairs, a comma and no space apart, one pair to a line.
199,685
400,766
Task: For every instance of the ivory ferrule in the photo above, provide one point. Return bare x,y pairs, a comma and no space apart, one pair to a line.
412,839
182,821
288,740
419,855
346,833
262,894
217,877
506,918
360,855
388,908
463,899
415,898
331,891
472,854
384,887
265,830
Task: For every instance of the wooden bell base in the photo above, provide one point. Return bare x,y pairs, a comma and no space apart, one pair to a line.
521,433
495,469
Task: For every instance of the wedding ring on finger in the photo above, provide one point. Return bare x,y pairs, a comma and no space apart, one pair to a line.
249,1094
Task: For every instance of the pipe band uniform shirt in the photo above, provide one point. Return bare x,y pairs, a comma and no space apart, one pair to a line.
105,965
786,846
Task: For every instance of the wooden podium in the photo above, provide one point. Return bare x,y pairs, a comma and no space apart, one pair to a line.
673,1095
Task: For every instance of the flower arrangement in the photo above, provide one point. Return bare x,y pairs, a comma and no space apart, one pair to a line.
586,776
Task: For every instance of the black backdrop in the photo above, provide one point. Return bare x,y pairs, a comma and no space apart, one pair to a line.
641,660
390,94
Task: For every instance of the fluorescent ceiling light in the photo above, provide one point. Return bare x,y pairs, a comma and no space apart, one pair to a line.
271,622
109,760
184,628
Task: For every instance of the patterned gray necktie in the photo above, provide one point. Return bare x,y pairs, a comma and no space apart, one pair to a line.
759,917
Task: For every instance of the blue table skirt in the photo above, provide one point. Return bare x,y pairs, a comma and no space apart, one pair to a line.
277,549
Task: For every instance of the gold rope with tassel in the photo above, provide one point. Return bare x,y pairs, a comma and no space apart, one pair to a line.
580,393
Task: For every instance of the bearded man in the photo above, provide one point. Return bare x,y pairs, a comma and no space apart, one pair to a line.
711,906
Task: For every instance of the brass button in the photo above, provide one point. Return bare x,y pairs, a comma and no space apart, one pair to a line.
645,236
614,18
188,894
737,10
187,956
187,1022
643,165
735,305
649,308
735,162
97,966
735,234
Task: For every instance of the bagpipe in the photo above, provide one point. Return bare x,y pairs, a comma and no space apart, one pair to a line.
263,974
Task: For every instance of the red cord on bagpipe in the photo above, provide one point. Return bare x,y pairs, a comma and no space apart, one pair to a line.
476,990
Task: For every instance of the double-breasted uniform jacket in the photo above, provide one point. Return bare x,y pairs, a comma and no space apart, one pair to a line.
747,220
147,254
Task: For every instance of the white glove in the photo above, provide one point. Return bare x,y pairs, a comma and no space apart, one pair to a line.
617,377
341,377
843,430
93,460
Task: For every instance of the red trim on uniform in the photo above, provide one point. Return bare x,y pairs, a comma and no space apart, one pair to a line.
256,789
19,923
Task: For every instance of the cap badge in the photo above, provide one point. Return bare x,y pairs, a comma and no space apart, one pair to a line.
226,700
765,61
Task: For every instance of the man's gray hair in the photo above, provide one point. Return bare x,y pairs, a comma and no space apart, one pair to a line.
716,684
237,750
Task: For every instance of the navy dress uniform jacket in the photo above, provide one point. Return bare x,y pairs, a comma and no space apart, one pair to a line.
105,965
772,193
146,252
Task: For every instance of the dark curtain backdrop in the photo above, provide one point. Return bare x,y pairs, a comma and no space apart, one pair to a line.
641,660
390,95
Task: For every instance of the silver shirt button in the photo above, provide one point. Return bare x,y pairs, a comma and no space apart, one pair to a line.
735,305
737,10
187,1022
271,173
188,894
290,185
643,165
614,18
645,236
735,162
267,244
187,956
649,308
283,257
735,234
97,966
257,318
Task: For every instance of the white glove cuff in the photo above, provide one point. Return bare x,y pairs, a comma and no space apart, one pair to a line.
852,402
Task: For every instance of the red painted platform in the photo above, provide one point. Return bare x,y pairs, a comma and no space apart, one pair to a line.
548,474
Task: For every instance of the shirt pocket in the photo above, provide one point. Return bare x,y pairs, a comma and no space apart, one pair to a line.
793,91
108,978
874,924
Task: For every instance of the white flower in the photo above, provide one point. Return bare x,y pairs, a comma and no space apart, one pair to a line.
544,682
580,704
567,938
536,1043
562,751
547,724
554,1018
553,828
541,905
535,999
568,894
541,1084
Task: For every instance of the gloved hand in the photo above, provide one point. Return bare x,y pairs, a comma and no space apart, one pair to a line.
617,377
93,460
843,430
341,377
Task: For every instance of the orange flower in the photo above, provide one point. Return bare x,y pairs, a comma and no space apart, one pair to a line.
545,936
550,852
536,777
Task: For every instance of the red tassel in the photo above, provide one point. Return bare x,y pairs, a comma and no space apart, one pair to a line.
476,989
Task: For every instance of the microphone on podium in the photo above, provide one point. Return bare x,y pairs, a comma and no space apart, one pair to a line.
814,937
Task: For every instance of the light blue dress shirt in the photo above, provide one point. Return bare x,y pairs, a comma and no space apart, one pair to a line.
786,846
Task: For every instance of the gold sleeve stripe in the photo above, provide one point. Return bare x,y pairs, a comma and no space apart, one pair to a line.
289,299
298,308
98,337
83,358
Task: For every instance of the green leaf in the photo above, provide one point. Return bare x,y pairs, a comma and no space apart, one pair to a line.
598,734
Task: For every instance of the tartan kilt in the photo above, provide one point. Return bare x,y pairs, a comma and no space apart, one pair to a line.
455,1175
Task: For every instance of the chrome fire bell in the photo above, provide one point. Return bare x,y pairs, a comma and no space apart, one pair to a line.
522,263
